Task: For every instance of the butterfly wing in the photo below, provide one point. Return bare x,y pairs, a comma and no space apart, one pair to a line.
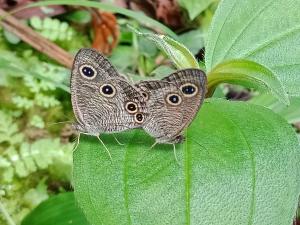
101,97
172,103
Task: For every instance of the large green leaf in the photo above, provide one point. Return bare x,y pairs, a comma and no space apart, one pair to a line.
249,74
59,210
239,165
195,7
291,113
267,32
142,18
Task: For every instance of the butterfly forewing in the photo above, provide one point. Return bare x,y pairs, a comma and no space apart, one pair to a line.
99,96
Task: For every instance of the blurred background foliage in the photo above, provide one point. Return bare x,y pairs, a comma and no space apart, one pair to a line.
35,149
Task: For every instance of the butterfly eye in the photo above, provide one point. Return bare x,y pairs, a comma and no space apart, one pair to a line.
87,72
131,107
139,118
173,99
107,90
189,90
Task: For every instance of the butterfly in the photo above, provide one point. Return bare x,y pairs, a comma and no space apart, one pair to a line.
104,101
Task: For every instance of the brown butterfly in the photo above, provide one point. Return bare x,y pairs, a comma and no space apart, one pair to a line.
103,101
172,103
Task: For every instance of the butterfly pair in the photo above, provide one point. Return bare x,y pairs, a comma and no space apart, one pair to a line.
103,101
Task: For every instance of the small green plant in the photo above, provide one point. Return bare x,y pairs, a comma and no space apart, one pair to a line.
22,163
53,29
30,158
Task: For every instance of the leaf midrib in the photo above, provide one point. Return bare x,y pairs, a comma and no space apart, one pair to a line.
210,63
187,181
125,179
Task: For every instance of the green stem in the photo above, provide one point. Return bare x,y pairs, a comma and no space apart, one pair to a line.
6,215
213,80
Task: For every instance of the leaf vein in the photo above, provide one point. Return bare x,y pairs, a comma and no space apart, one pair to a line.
270,41
217,38
247,25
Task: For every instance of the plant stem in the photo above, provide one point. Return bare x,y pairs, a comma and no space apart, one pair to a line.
34,39
6,215
212,82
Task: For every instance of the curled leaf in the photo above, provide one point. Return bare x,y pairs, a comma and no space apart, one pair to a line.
177,52
249,74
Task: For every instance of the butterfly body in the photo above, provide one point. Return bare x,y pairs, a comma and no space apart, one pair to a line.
103,101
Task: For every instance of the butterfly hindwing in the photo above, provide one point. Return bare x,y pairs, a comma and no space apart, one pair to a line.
172,103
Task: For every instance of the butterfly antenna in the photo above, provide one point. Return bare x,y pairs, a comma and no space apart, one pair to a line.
175,155
62,122
117,140
105,148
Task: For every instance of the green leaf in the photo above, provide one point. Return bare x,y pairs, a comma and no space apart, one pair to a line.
58,210
266,32
36,22
193,40
247,73
7,65
140,17
147,49
195,7
11,37
177,52
80,16
34,196
52,29
291,113
123,57
238,165
162,71
37,121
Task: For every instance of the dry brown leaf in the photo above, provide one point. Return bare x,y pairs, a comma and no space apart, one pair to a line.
106,31
168,12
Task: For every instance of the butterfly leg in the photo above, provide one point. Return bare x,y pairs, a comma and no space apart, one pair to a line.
175,155
117,140
61,122
77,142
152,146
105,148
